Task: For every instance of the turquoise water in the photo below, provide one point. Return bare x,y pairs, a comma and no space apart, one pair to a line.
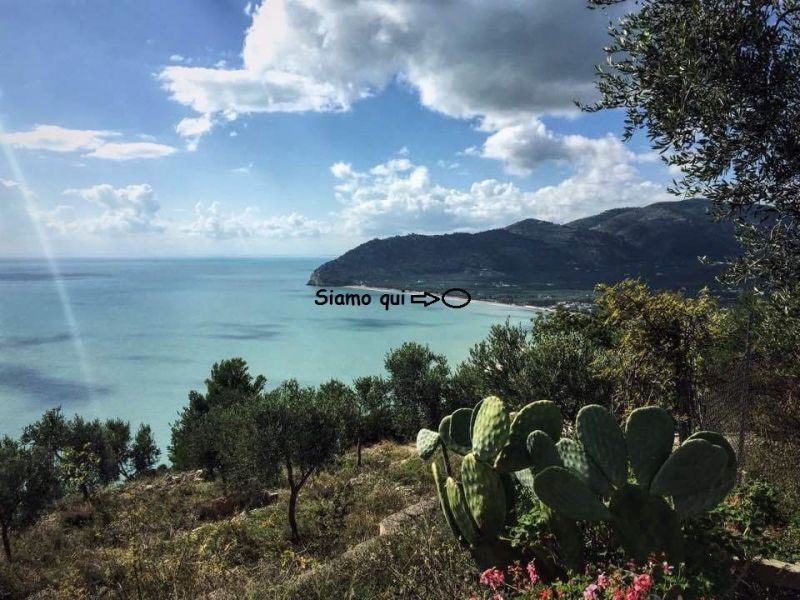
142,333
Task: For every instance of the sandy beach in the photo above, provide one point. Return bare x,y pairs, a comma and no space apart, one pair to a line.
367,288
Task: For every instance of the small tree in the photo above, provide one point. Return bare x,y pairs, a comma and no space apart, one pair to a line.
661,341
373,412
28,483
498,363
293,429
90,453
560,366
144,453
196,442
418,378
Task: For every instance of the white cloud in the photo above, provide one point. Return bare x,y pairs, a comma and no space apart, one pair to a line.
95,143
523,147
504,61
399,197
132,209
131,151
55,138
192,129
212,222
245,170
177,58
8,183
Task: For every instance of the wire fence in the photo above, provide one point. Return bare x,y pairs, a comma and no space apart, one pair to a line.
759,415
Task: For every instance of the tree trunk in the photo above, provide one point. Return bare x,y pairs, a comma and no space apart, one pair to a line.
6,542
292,514
358,453
744,401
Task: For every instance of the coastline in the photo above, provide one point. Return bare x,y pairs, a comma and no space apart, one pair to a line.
530,307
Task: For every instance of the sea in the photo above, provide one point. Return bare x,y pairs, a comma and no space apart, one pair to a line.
131,338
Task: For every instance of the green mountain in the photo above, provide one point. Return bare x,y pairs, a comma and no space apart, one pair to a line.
537,261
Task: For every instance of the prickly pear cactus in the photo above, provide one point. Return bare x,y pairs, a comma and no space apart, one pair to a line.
697,475
543,451
583,479
460,511
542,416
575,459
460,433
650,432
490,429
485,495
692,468
692,504
441,492
646,524
427,442
603,442
566,493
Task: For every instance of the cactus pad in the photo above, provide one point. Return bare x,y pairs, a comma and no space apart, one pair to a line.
570,541
542,415
693,504
441,493
490,429
525,479
427,442
485,495
694,467
543,451
460,439
460,511
574,458
646,524
603,442
650,432
564,492
444,431
512,458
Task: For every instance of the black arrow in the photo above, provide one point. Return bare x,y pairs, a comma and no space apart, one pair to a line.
425,298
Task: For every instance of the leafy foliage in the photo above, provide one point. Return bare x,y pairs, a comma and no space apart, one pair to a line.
418,379
28,482
716,86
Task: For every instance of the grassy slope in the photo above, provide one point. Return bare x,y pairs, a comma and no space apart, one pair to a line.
144,541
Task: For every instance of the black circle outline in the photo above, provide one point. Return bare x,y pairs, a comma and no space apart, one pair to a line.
466,293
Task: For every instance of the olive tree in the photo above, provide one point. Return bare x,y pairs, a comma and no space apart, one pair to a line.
716,86
293,431
28,482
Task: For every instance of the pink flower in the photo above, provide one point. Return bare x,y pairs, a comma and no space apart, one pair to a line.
618,594
602,581
545,594
642,583
534,576
631,594
667,568
493,578
590,593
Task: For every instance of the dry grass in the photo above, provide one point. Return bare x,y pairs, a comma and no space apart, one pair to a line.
145,541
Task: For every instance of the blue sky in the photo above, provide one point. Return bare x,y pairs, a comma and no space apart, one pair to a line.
300,127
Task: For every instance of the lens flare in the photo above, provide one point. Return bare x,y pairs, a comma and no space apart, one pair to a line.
55,273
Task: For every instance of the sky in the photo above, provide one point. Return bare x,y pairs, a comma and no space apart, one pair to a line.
301,127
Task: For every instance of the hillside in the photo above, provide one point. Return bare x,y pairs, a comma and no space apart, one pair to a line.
174,535
536,261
